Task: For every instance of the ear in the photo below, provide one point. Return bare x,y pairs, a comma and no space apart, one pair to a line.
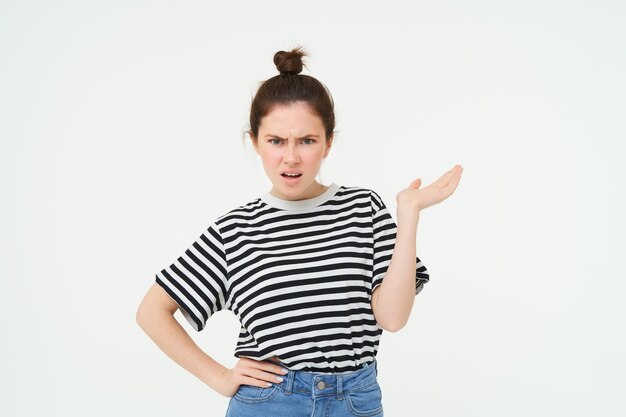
329,144
254,141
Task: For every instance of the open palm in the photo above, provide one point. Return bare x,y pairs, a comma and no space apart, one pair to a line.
417,198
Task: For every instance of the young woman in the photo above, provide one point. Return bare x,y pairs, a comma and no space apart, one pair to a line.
314,272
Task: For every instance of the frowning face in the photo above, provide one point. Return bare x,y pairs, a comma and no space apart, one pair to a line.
292,140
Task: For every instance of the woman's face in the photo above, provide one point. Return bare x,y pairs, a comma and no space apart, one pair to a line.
292,140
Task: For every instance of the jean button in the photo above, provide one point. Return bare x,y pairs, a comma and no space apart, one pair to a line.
321,385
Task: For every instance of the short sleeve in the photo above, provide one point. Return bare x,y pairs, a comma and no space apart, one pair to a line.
385,228
197,280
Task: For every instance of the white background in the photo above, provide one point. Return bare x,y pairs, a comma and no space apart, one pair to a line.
121,138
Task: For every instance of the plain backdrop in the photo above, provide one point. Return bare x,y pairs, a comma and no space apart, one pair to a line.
122,137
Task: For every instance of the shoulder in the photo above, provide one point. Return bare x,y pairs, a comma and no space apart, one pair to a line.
354,189
245,209
377,200
365,193
240,214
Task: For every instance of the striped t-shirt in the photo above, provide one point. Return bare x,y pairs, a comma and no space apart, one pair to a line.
297,274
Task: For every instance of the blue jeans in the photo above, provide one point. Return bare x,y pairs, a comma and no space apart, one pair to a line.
310,394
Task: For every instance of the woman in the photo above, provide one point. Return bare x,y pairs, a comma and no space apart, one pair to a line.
302,267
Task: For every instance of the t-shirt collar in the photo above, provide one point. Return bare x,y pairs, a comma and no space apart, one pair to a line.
300,204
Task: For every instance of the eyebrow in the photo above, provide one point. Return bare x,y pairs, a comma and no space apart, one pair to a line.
303,137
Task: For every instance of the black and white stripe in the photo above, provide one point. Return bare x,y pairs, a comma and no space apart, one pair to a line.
298,274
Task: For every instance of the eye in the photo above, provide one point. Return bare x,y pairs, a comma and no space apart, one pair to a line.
273,140
312,140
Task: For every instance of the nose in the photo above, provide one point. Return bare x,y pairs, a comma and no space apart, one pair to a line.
291,153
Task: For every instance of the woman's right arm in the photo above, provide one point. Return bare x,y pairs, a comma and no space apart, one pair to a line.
155,316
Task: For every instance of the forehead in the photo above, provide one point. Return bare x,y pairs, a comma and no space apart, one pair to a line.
294,118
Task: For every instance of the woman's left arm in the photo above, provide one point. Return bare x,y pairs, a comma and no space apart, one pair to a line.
392,300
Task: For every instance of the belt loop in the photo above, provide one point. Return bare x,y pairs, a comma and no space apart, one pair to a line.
339,387
291,376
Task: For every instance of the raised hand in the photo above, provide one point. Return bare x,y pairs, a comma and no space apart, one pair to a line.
413,199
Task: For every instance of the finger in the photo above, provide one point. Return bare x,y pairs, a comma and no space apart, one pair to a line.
445,179
266,376
255,382
278,368
450,188
416,184
271,368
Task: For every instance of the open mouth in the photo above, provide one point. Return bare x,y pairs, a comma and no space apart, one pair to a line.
286,175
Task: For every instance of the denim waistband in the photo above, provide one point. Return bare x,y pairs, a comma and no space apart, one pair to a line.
329,384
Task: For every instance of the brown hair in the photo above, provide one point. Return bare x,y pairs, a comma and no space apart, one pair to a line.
290,87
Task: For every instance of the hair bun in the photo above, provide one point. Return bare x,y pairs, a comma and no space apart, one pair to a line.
290,62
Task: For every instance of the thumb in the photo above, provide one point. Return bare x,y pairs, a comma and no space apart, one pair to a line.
416,184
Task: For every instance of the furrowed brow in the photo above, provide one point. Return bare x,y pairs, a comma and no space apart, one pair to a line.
303,137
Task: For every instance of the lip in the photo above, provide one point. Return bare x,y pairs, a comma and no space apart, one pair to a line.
289,180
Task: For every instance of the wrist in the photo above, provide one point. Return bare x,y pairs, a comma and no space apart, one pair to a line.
213,373
408,215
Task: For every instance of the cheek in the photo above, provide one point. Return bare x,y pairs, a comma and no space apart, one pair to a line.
316,157
270,158
313,154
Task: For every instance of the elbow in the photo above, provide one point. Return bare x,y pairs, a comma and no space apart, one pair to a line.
148,316
155,307
393,327
143,315
140,317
